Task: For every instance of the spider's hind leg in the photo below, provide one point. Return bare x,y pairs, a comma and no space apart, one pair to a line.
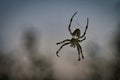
78,53
61,48
81,51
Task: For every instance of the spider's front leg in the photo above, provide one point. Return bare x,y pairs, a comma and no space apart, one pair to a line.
61,48
71,23
85,29
62,41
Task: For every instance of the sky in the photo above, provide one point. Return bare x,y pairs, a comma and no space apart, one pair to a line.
50,19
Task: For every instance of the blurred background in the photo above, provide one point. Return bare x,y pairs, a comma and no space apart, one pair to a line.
30,29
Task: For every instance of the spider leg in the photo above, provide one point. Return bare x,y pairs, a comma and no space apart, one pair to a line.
85,28
71,22
62,41
78,53
80,50
82,39
61,48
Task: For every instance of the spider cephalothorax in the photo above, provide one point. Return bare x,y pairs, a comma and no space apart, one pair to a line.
74,42
76,33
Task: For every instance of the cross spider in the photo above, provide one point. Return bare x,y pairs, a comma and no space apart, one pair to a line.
74,42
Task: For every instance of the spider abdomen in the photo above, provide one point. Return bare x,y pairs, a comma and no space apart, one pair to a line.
73,42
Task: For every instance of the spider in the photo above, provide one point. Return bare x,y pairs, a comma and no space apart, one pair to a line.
75,40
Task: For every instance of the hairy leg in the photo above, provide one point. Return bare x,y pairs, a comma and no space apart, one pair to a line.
61,48
81,51
62,41
82,39
71,22
78,53
85,29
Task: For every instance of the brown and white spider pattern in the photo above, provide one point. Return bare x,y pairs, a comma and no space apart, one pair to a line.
76,39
